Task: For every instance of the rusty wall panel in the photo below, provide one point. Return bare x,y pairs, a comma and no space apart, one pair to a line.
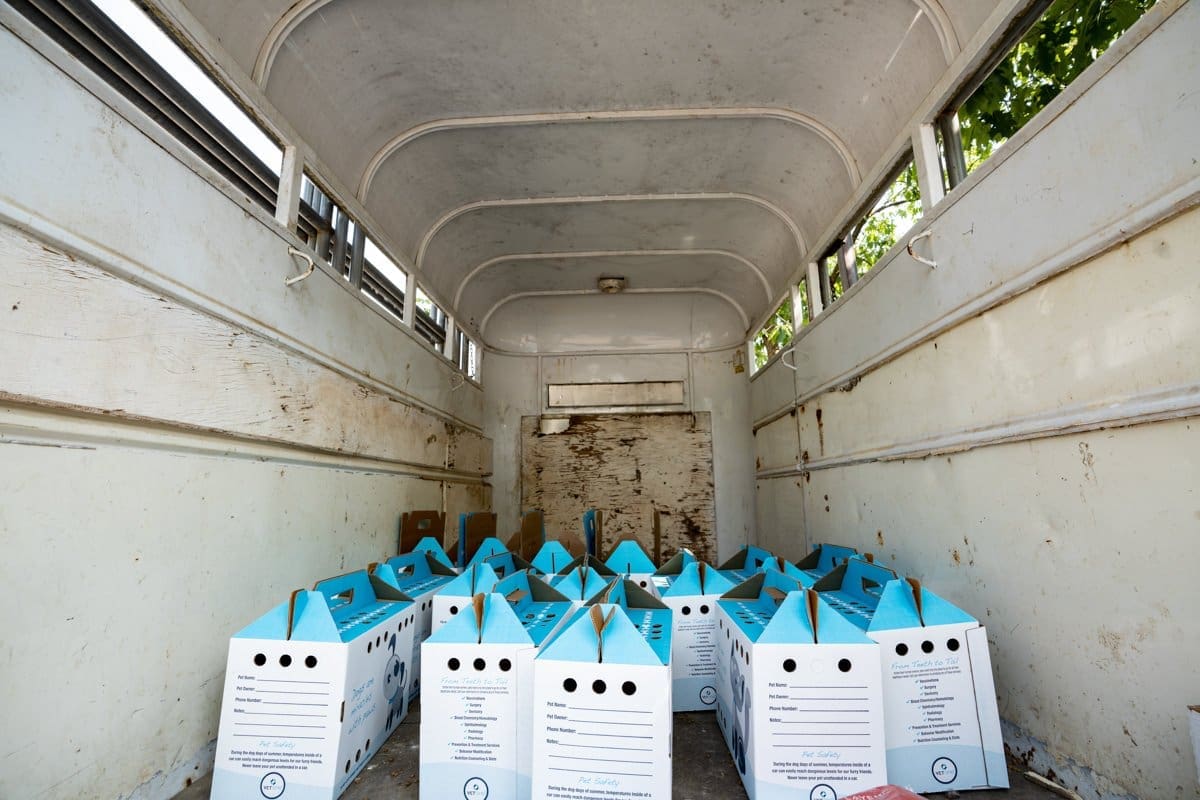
626,465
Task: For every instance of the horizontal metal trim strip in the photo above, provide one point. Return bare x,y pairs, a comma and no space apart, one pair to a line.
88,429
1175,403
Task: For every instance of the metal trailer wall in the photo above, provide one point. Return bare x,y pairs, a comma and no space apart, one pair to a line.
1036,462
691,338
183,440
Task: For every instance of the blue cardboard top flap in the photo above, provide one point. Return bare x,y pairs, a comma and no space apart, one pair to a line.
601,633
627,594
583,583
907,604
539,607
591,562
629,557
749,558
675,564
489,547
473,580
551,557
507,563
699,578
824,558
414,573
433,547
488,620
804,616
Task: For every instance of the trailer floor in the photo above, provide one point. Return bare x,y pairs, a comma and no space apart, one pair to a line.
703,769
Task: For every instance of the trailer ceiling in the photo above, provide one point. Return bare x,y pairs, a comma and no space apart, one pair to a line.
530,146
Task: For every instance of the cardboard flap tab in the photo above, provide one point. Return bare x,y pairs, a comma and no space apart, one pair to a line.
811,600
477,605
351,590
778,595
676,563
915,585
516,596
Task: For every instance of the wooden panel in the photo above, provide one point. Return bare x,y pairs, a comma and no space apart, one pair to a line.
627,465
75,335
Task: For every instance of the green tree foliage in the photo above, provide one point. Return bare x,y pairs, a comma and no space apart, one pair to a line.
775,335
1068,37
1060,45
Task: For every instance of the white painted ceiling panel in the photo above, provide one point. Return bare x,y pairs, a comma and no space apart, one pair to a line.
447,116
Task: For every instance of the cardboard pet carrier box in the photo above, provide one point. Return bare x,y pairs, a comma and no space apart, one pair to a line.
602,707
312,689
457,594
750,560
631,562
552,557
487,548
943,723
824,558
420,576
692,598
665,575
478,673
803,697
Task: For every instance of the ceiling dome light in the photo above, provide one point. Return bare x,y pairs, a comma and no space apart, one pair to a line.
610,285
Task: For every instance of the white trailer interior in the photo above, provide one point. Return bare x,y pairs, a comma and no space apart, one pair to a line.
184,438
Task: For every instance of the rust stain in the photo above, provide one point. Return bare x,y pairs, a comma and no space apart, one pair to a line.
821,430
879,537
957,558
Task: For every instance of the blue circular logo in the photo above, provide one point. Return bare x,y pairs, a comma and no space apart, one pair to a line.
944,770
475,789
822,791
272,785
708,695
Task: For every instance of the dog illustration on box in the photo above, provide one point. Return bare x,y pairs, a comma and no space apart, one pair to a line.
741,712
395,684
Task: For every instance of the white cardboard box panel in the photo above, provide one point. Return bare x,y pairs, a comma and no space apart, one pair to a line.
942,720
602,709
692,598
802,704
313,689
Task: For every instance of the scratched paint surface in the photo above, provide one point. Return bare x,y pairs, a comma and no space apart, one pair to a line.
627,465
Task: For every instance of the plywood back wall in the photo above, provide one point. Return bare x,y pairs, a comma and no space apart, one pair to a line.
627,465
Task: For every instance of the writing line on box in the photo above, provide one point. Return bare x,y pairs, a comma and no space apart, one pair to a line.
607,747
609,760
271,736
277,703
604,772
282,680
608,710
284,691
605,722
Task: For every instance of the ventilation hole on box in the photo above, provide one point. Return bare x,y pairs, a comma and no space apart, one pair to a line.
285,660
686,610
453,664
369,646
927,646
480,664
260,659
599,687
746,655
789,665
377,639
347,765
629,688
368,746
570,685
902,649
357,756
310,662
505,665
844,665
703,609
643,584
453,609
952,645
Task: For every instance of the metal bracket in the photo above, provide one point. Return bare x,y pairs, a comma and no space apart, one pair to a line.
312,265
922,235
